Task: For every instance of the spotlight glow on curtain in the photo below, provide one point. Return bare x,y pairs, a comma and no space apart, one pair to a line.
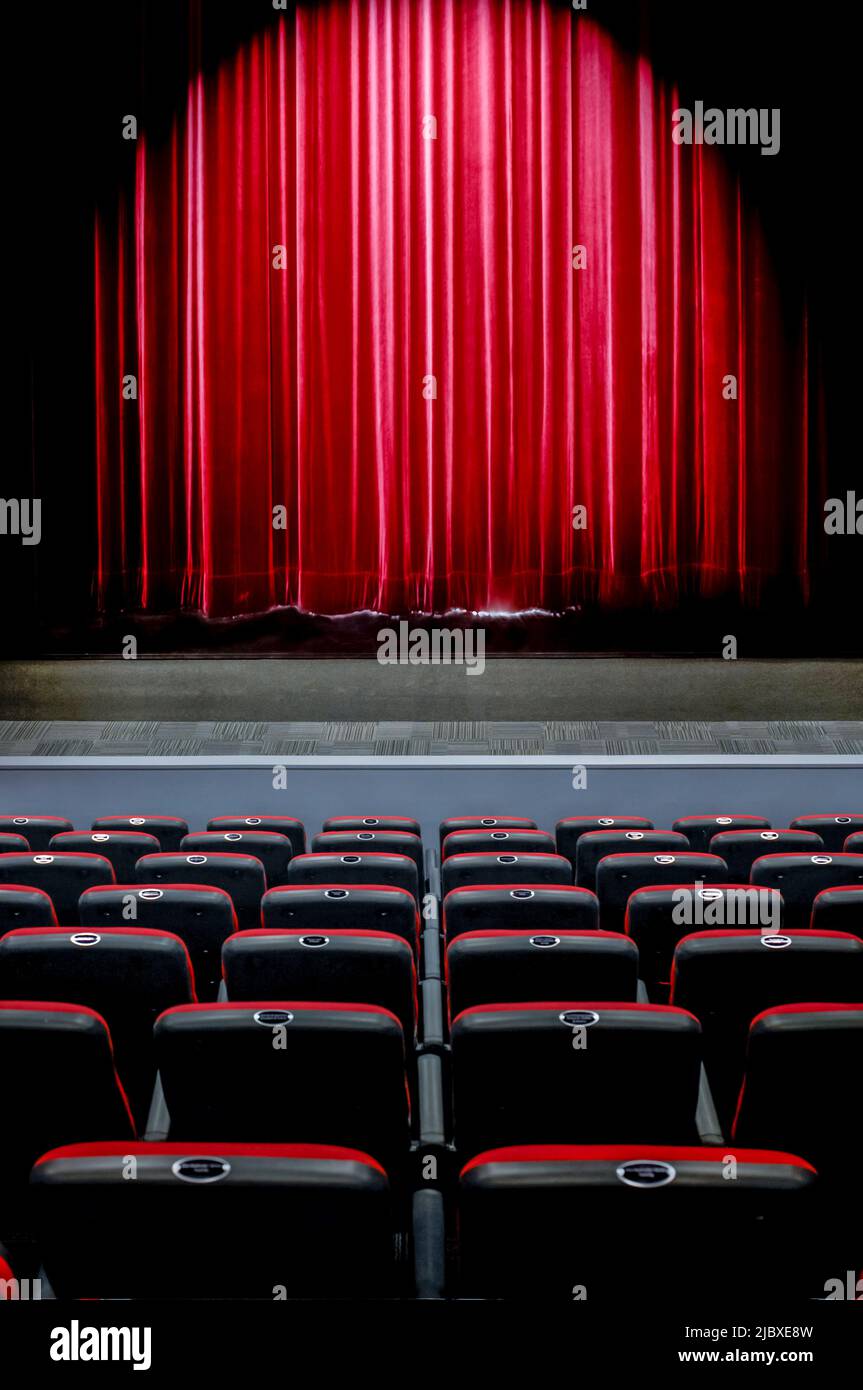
300,257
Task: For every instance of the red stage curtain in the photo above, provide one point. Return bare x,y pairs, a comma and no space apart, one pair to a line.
295,378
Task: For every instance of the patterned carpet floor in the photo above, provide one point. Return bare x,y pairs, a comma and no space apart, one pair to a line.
106,738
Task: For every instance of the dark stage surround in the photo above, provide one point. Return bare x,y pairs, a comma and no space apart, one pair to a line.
696,629
705,516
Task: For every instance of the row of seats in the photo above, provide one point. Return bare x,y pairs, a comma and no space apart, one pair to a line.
261,1076
429,1090
458,834
699,830
496,940
245,876
535,1222
132,975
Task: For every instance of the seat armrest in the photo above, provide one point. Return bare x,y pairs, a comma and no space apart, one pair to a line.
432,1108
158,1119
431,948
433,1019
706,1118
432,872
428,1219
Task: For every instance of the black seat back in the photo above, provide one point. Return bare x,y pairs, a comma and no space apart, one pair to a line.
240,875
58,1085
168,830
508,907
128,975
368,967
802,1087
618,876
279,825
489,967
658,917
574,1072
366,841
543,1223
801,877
321,907
699,830
833,829
498,842
363,868
483,823
596,845
285,1071
37,830
839,909
517,870
569,831
403,823
741,848
122,848
728,977
273,849
64,877
201,916
21,906
215,1220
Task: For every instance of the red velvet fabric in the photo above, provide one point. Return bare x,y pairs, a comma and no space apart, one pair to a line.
297,377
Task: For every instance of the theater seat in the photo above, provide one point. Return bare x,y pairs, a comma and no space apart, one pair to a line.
371,869
10,844
280,1071
272,848
727,977
37,830
561,1222
802,1081
699,830
240,875
405,824
833,829
801,877
741,848
659,916
463,870
574,1072
804,1063
21,906
128,975
201,916
854,843
483,823
215,1220
64,877
278,825
569,831
168,830
596,845
369,841
618,876
323,907
839,909
122,848
498,842
505,966
372,967
519,907
58,1084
